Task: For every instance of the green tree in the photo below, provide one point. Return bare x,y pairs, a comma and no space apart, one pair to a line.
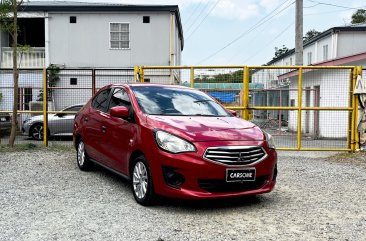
9,24
359,16
280,51
310,34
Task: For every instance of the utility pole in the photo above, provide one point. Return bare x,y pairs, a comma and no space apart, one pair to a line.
299,33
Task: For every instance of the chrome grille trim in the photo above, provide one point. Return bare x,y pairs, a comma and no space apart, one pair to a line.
235,155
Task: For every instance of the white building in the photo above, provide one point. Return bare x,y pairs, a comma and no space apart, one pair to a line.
338,46
90,35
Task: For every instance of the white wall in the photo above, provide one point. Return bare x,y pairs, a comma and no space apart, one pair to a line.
86,43
334,85
350,43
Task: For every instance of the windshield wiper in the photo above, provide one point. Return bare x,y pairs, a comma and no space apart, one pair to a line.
201,101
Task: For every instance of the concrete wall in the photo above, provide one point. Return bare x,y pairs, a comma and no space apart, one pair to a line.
87,44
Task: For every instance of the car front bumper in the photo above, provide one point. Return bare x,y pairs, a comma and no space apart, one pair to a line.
204,179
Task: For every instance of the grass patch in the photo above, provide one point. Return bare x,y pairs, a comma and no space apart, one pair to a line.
33,147
357,158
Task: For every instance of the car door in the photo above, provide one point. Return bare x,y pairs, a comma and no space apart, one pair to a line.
62,123
94,121
120,133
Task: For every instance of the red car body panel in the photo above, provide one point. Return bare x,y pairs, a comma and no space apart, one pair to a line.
112,141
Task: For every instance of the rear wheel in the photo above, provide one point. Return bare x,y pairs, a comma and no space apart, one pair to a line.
82,157
142,185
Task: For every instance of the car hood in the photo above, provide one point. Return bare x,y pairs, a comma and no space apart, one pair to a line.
200,128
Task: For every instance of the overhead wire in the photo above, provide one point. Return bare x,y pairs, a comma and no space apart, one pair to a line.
197,27
269,42
259,23
330,4
197,17
193,12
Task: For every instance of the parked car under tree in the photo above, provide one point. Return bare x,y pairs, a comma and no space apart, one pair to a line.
173,141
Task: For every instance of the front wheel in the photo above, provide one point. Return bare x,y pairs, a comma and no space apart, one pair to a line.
82,157
142,185
37,132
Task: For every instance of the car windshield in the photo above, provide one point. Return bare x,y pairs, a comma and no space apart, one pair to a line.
157,100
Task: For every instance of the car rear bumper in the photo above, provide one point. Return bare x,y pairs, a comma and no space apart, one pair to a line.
203,179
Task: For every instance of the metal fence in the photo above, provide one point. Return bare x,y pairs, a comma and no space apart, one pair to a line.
304,108
65,91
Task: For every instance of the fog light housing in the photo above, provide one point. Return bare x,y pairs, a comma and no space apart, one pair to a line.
173,178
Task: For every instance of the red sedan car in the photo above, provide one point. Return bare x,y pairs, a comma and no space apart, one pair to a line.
173,141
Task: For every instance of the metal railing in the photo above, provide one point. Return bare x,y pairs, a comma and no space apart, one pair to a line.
33,58
304,107
319,114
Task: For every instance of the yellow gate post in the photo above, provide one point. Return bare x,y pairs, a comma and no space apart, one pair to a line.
246,92
45,108
192,78
299,106
142,77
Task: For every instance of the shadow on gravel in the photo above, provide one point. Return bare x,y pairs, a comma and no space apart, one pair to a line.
189,205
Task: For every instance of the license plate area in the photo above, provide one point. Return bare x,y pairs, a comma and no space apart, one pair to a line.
240,174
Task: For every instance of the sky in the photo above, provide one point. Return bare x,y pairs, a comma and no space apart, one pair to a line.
246,32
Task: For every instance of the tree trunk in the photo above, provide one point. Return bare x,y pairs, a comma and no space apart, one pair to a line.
14,121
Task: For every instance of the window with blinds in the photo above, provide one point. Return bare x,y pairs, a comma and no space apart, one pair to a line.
119,35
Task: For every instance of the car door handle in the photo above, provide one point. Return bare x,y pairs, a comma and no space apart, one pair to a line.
104,129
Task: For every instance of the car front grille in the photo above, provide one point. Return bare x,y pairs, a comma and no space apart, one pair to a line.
235,155
223,186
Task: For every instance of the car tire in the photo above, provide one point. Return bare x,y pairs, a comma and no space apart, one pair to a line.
141,182
36,131
82,157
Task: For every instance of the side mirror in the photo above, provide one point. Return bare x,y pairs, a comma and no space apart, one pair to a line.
233,112
119,112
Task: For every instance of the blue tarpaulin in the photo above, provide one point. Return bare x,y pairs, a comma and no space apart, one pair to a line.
223,97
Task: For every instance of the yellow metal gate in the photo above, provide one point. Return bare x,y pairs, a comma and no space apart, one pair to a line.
308,108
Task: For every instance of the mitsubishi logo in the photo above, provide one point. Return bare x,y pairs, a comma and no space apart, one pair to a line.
241,156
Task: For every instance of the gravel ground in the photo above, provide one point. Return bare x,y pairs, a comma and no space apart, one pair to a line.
43,196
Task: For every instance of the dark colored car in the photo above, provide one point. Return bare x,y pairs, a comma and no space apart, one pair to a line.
5,121
173,141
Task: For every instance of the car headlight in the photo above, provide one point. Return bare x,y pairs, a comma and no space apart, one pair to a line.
172,143
270,141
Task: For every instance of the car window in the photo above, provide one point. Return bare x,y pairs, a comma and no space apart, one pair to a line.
75,108
119,98
100,101
157,100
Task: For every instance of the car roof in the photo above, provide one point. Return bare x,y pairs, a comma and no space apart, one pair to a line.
150,85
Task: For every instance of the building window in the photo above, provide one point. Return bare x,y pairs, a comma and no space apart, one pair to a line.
325,52
310,61
146,19
119,35
73,81
72,19
292,103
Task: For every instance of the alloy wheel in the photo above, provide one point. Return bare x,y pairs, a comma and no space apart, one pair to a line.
81,154
140,180
37,132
